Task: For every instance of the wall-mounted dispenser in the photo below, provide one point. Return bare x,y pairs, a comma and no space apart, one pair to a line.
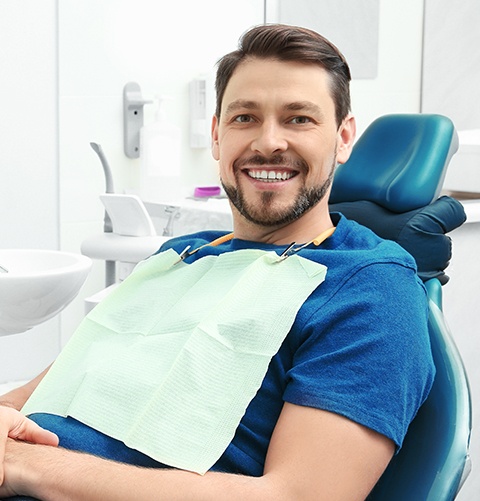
199,133
202,108
133,103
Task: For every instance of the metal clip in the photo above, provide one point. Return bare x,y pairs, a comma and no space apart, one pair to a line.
285,253
183,255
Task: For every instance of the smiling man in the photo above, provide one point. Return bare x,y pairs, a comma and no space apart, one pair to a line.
241,366
278,143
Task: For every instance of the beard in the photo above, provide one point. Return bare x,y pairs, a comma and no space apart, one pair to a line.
265,213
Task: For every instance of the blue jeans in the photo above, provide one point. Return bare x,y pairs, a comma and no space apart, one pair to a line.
20,498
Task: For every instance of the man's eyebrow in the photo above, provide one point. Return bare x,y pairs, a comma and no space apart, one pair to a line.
304,106
297,106
241,104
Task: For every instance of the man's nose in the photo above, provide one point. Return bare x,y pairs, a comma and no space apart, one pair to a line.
270,139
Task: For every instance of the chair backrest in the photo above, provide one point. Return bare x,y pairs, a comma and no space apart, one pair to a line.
399,163
434,461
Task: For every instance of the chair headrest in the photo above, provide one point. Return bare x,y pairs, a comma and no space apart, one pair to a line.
399,162
422,232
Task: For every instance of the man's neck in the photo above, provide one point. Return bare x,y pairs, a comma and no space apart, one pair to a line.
302,230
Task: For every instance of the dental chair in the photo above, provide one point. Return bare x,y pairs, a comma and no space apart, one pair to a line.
391,184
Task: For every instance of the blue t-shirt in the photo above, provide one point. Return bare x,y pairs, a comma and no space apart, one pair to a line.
359,347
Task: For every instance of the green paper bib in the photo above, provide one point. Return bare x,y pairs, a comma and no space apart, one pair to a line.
170,360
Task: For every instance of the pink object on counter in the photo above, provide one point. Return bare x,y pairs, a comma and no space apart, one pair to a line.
206,191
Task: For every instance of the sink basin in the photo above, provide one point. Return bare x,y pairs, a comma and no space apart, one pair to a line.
39,284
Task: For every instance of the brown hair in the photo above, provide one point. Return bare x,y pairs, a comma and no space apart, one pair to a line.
289,43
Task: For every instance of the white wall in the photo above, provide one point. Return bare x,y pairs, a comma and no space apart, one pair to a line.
452,61
29,208
398,84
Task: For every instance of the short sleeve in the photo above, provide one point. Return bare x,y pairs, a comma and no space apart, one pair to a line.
366,354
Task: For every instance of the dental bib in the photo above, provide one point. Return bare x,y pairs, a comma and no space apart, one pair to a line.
170,360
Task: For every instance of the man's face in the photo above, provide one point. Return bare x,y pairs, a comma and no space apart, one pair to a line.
277,141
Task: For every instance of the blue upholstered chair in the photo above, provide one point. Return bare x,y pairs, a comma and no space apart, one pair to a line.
399,162
391,184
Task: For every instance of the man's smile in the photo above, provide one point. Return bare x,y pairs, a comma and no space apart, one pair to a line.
271,176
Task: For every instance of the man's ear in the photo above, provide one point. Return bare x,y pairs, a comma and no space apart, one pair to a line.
345,138
215,148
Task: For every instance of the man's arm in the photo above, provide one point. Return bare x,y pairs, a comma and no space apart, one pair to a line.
313,455
15,425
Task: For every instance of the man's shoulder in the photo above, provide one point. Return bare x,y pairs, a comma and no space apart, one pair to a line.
354,242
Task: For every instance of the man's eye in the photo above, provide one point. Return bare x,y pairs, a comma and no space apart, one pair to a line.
243,119
300,120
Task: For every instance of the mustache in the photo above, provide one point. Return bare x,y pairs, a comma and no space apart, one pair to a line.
277,160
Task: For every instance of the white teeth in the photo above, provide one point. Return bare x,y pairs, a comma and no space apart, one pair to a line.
270,176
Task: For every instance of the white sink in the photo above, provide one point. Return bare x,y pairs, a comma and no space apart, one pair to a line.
38,285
